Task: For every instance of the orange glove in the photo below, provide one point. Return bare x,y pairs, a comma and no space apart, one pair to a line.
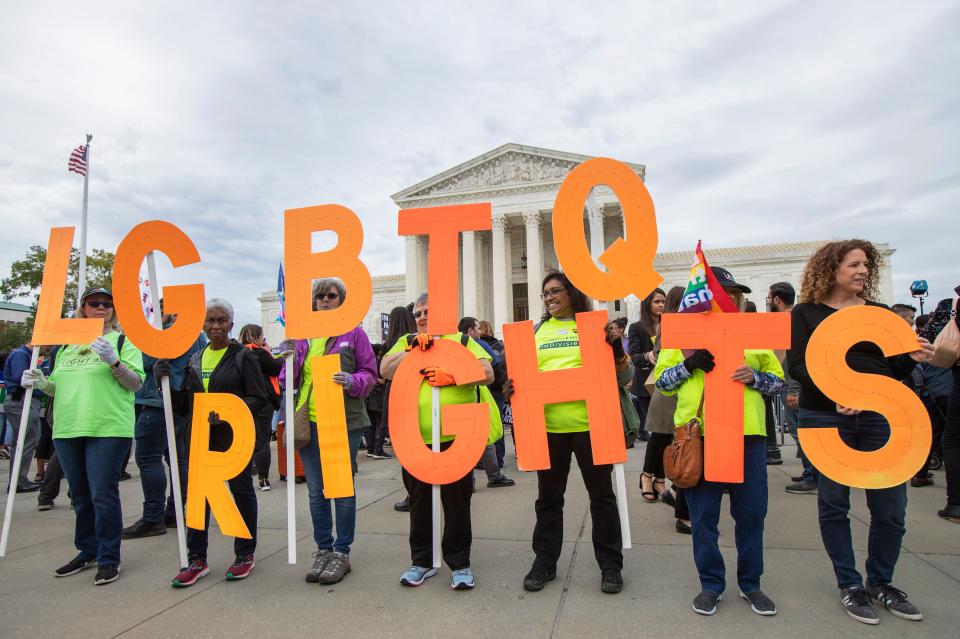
437,376
421,340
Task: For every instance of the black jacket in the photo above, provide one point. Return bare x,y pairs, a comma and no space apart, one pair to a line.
640,344
238,373
271,367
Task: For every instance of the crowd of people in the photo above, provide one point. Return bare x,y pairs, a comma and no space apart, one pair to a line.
93,402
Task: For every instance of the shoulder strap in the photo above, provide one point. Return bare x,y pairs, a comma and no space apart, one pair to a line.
120,342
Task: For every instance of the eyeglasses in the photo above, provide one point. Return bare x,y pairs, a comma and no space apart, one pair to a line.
553,292
99,304
419,314
327,296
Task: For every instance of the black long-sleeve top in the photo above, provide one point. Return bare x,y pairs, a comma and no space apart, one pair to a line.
863,357
640,343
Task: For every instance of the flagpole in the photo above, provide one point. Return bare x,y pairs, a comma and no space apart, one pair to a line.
82,279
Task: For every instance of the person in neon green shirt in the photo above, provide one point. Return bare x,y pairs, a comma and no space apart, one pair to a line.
568,434
761,374
94,386
457,535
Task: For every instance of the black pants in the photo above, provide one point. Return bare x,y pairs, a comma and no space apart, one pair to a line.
261,449
642,404
680,510
376,433
457,532
653,458
45,445
552,484
937,408
951,443
772,445
50,486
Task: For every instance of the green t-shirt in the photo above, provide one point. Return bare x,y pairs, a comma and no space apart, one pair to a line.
464,394
90,402
209,360
689,392
317,348
558,348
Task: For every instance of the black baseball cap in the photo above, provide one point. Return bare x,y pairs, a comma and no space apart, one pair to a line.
726,279
95,291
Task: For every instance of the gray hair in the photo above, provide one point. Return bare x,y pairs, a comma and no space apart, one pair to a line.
222,304
421,301
323,285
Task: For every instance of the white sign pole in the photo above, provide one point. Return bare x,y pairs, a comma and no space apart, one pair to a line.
291,467
622,506
435,494
17,458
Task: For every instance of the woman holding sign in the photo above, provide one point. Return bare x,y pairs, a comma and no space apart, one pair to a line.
568,434
841,275
94,386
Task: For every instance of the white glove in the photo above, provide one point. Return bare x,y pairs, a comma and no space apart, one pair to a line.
35,378
104,350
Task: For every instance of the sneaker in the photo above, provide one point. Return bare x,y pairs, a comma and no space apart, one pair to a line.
774,460
537,578
188,576
402,506
706,603
856,602
500,481
919,482
683,527
264,484
950,513
320,559
106,574
416,575
380,455
44,505
28,488
240,568
760,603
336,569
802,488
462,579
141,528
611,581
895,600
74,566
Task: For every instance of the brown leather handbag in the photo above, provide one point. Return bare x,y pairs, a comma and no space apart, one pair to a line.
683,458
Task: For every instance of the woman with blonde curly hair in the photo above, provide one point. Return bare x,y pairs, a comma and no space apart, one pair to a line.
840,275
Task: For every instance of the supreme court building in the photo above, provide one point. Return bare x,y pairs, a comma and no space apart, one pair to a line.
501,269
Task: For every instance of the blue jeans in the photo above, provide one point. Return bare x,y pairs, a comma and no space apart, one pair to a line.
748,507
888,506
150,434
92,467
320,507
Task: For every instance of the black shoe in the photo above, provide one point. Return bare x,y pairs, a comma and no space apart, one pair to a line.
28,488
950,513
895,600
170,522
124,476
379,455
706,603
273,436
300,480
774,460
797,479
106,573
760,603
141,528
856,602
683,528
919,482
668,498
44,505
537,578
500,481
402,506
75,565
611,581
802,488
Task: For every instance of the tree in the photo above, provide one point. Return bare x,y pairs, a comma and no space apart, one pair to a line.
26,275
14,335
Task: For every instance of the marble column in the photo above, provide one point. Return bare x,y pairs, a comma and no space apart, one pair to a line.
501,273
412,263
422,265
469,292
531,220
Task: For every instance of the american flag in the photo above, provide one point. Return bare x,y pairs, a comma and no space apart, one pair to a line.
78,160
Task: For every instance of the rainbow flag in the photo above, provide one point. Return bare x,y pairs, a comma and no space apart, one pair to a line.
703,292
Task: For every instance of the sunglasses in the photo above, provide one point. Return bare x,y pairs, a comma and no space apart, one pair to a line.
419,314
99,304
327,296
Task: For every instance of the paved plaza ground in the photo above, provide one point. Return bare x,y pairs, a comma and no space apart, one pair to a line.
660,577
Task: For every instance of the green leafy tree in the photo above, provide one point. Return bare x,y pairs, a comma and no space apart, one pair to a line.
13,335
26,275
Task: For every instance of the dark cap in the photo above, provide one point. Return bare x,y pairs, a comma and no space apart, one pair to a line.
95,291
726,279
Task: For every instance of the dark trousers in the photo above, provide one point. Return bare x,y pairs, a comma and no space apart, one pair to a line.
376,433
50,486
937,408
951,443
92,466
263,423
642,404
680,509
45,444
865,432
457,532
748,507
653,457
552,484
772,445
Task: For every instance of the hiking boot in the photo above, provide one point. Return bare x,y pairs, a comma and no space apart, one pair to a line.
240,568
856,602
107,573
611,581
760,603
895,600
320,559
706,603
338,565
919,482
141,528
402,506
802,488
462,579
188,576
499,481
950,513
75,565
538,577
416,575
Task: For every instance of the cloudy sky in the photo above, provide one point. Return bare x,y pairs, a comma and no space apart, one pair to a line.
758,122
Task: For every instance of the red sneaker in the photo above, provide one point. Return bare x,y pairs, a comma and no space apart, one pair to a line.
188,576
241,567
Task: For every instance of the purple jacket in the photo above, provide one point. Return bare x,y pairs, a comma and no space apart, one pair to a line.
365,373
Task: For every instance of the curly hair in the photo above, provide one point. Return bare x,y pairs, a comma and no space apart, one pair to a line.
820,274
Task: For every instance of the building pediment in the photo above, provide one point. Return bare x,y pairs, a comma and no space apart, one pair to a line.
511,168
